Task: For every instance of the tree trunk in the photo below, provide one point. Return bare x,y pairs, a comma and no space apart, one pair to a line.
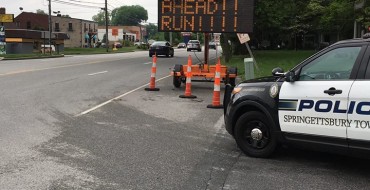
226,47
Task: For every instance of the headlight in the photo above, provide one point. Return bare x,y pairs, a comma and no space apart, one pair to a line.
236,90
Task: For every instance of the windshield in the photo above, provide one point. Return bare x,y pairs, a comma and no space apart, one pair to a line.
159,44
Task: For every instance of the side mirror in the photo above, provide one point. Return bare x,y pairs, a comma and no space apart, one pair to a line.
277,72
290,76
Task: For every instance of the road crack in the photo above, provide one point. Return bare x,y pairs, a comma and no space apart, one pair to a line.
210,178
231,168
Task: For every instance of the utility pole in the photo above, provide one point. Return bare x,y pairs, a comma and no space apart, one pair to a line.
49,27
171,38
106,25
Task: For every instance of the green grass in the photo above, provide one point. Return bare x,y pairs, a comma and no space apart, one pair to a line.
71,51
27,56
268,60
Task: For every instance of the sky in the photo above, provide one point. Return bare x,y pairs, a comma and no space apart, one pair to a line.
12,7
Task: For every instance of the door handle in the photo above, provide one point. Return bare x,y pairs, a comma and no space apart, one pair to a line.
332,91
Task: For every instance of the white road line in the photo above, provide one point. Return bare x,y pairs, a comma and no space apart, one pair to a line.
148,63
219,124
116,98
97,73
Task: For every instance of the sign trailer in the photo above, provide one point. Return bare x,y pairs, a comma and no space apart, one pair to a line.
207,16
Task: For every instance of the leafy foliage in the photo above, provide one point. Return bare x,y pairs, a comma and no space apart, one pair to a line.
129,15
152,30
100,18
40,11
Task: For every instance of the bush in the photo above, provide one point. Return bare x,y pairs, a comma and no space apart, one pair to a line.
126,43
143,46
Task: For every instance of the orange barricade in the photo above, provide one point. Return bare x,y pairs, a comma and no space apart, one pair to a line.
152,77
216,103
188,81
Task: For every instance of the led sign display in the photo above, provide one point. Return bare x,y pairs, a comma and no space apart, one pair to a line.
206,16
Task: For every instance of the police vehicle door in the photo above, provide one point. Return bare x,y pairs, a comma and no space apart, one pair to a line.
315,105
359,108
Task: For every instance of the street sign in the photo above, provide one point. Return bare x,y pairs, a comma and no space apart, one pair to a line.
186,33
6,17
205,16
216,37
243,38
114,31
359,4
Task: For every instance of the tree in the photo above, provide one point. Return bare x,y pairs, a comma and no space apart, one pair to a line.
100,18
104,40
362,14
40,11
151,30
290,21
129,15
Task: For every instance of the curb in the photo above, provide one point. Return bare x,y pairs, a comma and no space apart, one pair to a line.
39,57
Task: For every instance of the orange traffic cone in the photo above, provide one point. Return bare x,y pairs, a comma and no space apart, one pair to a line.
217,87
188,81
152,77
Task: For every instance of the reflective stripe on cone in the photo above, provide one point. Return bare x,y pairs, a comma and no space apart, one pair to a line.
216,103
188,81
152,76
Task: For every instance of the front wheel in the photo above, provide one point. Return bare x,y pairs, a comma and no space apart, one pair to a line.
254,135
176,81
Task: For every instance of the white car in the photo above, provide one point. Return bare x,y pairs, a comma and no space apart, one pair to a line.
194,45
139,43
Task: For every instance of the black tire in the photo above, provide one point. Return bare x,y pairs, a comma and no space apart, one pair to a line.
199,50
176,81
262,146
150,55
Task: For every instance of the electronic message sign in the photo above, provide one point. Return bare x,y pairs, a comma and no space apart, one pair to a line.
206,16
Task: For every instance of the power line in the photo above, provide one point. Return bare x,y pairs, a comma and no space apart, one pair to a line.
86,2
75,4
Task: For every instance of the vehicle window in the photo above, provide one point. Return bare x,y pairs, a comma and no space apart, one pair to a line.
333,65
159,43
194,42
368,71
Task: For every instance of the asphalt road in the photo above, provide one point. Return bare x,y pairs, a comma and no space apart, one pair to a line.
136,139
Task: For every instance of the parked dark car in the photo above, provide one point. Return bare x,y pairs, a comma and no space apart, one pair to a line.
181,45
194,45
161,48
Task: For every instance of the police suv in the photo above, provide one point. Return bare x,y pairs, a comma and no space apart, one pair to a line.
323,103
